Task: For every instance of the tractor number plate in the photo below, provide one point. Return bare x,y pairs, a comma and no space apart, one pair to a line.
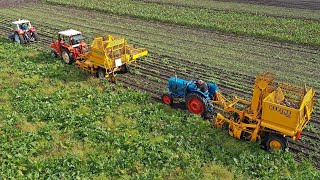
118,62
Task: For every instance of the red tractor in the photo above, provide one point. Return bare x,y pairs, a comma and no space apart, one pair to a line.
23,32
68,45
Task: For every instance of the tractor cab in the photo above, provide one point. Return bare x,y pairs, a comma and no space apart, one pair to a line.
68,45
22,25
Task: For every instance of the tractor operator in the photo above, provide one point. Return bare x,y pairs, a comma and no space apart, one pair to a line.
23,27
202,85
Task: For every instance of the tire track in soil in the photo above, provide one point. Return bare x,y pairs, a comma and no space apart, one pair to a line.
136,80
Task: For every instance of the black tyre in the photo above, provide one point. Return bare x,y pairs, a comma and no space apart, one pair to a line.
276,142
11,37
54,53
18,38
67,56
124,69
113,79
35,36
196,103
101,73
28,36
167,99
208,115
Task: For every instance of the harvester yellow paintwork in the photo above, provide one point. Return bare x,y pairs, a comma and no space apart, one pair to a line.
276,110
108,55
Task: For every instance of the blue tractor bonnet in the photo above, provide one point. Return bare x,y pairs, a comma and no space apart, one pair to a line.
179,87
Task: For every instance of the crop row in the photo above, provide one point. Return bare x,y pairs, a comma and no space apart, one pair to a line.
292,30
253,9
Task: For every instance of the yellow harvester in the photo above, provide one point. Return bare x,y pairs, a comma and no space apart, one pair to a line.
109,55
276,111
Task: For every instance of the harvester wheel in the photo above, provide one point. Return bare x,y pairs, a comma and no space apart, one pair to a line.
196,103
101,73
19,38
36,36
277,142
167,99
67,56
113,79
125,68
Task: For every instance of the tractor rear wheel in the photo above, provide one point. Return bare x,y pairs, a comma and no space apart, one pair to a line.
167,99
19,38
101,73
196,103
276,142
67,56
35,36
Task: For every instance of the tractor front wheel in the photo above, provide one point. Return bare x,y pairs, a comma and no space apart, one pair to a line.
67,56
167,99
196,103
276,142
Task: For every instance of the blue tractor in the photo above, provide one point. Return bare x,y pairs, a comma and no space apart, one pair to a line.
197,95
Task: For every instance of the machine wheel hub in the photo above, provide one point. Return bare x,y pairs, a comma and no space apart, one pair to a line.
276,145
166,99
65,57
195,106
